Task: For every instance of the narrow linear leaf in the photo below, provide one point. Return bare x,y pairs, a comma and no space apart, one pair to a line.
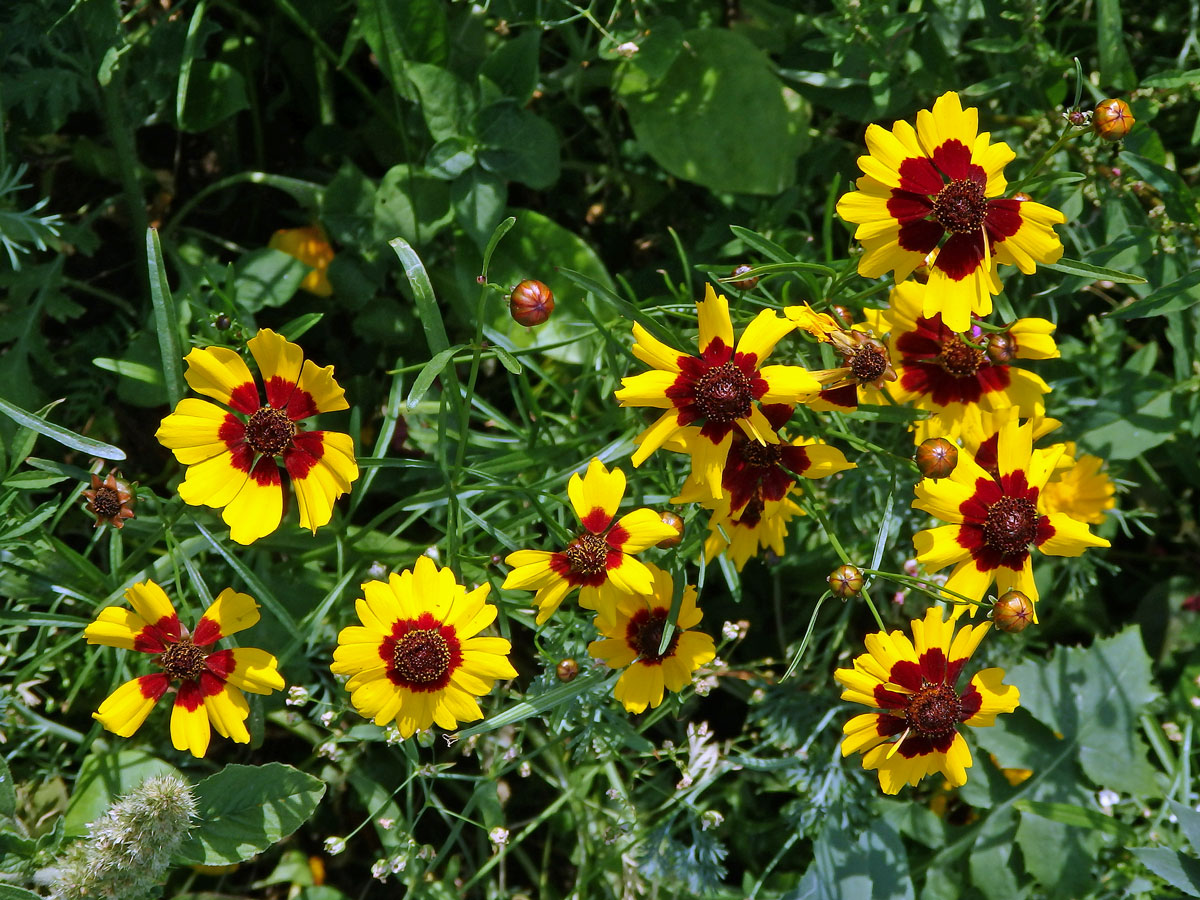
763,245
1069,814
1097,273
135,370
539,704
624,307
299,325
166,319
508,360
429,371
772,268
427,307
1169,298
64,436
501,230
185,64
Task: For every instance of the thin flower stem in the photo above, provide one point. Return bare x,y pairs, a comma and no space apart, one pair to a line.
1070,132
875,612
923,585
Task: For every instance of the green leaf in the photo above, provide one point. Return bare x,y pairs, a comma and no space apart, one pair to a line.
400,30
427,306
1172,78
1169,298
62,435
1094,273
127,369
33,480
8,892
449,158
104,776
411,204
429,371
166,319
1177,197
478,198
294,329
447,102
243,810
8,792
507,360
1173,867
1189,823
720,117
517,145
1136,414
267,277
513,66
215,91
860,864
1070,814
1093,698
1115,67
518,712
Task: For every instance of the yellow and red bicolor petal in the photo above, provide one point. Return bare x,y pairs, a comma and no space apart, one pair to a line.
654,352
939,547
763,333
1014,447
1070,538
548,598
383,605
992,158
189,720
1030,237
628,574
713,315
116,626
227,710
279,362
198,430
230,613
663,429
995,697
434,586
932,633
257,508
947,121
531,570
322,466
151,603
960,284
320,390
126,708
868,730
248,668
965,642
647,389
1018,580
969,580
636,531
820,460
942,498
787,384
860,687
596,495
223,375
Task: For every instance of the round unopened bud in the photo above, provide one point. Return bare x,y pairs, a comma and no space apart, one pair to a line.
566,670
1022,196
1112,119
222,322
844,317
1012,612
1001,348
670,518
531,303
744,284
936,458
1077,117
845,581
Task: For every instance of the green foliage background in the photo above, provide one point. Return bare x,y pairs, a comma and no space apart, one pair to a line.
641,148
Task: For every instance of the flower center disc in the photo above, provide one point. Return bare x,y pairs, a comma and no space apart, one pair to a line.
422,656
960,206
868,363
106,503
183,660
588,555
1010,525
959,358
761,456
269,431
723,394
934,711
645,634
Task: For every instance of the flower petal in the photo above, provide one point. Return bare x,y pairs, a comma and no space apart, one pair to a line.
654,352
189,721
321,465
1071,537
223,375
939,547
227,711
664,427
257,508
596,495
198,430
998,697
126,708
640,529
763,333
713,315
230,613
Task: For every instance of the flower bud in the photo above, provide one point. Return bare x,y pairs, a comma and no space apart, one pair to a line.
936,458
531,303
745,284
1001,348
670,518
1078,117
1112,120
845,581
566,670
1012,612
843,315
222,322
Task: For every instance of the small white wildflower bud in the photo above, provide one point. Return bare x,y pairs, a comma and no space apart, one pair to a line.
326,717
1107,800
391,734
297,696
730,631
1171,730
330,751
399,864
706,685
627,49
334,845
379,869
498,836
386,824
710,819
377,571
524,770
432,553
612,793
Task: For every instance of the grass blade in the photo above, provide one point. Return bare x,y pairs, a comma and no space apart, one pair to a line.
166,319
64,436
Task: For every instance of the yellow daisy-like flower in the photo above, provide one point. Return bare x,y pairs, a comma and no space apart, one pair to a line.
600,561
912,683
947,372
311,246
1081,488
208,683
230,449
938,187
418,657
632,639
719,390
996,520
741,535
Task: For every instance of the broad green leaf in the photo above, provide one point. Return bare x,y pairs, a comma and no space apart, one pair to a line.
720,117
1136,414
8,793
447,102
243,810
404,30
517,145
1189,823
104,776
1078,816
1181,294
411,204
215,91
62,435
267,277
449,158
8,892
860,864
478,198
513,66
1075,850
1175,868
1093,698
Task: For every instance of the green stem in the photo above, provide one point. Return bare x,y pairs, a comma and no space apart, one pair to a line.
1070,132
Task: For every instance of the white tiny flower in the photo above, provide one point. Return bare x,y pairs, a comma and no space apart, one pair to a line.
297,696
524,769
386,824
432,553
330,751
377,571
730,631
334,845
627,49
379,869
326,717
612,793
1107,800
399,864
710,819
498,836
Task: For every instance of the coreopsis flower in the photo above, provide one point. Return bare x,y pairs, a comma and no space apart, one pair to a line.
633,638
866,362
720,390
996,520
601,560
938,187
110,500
208,683
1080,488
311,246
913,685
950,373
981,434
418,656
230,449
757,526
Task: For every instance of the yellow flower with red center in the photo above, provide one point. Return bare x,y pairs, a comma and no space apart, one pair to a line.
913,685
311,246
230,450
632,639
938,187
600,560
418,657
952,375
996,520
208,683
720,390
866,363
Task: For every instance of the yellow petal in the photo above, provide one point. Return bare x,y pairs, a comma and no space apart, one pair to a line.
126,708
218,373
230,613
762,334
227,711
258,507
254,670
597,495
653,352
189,721
193,431
713,315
